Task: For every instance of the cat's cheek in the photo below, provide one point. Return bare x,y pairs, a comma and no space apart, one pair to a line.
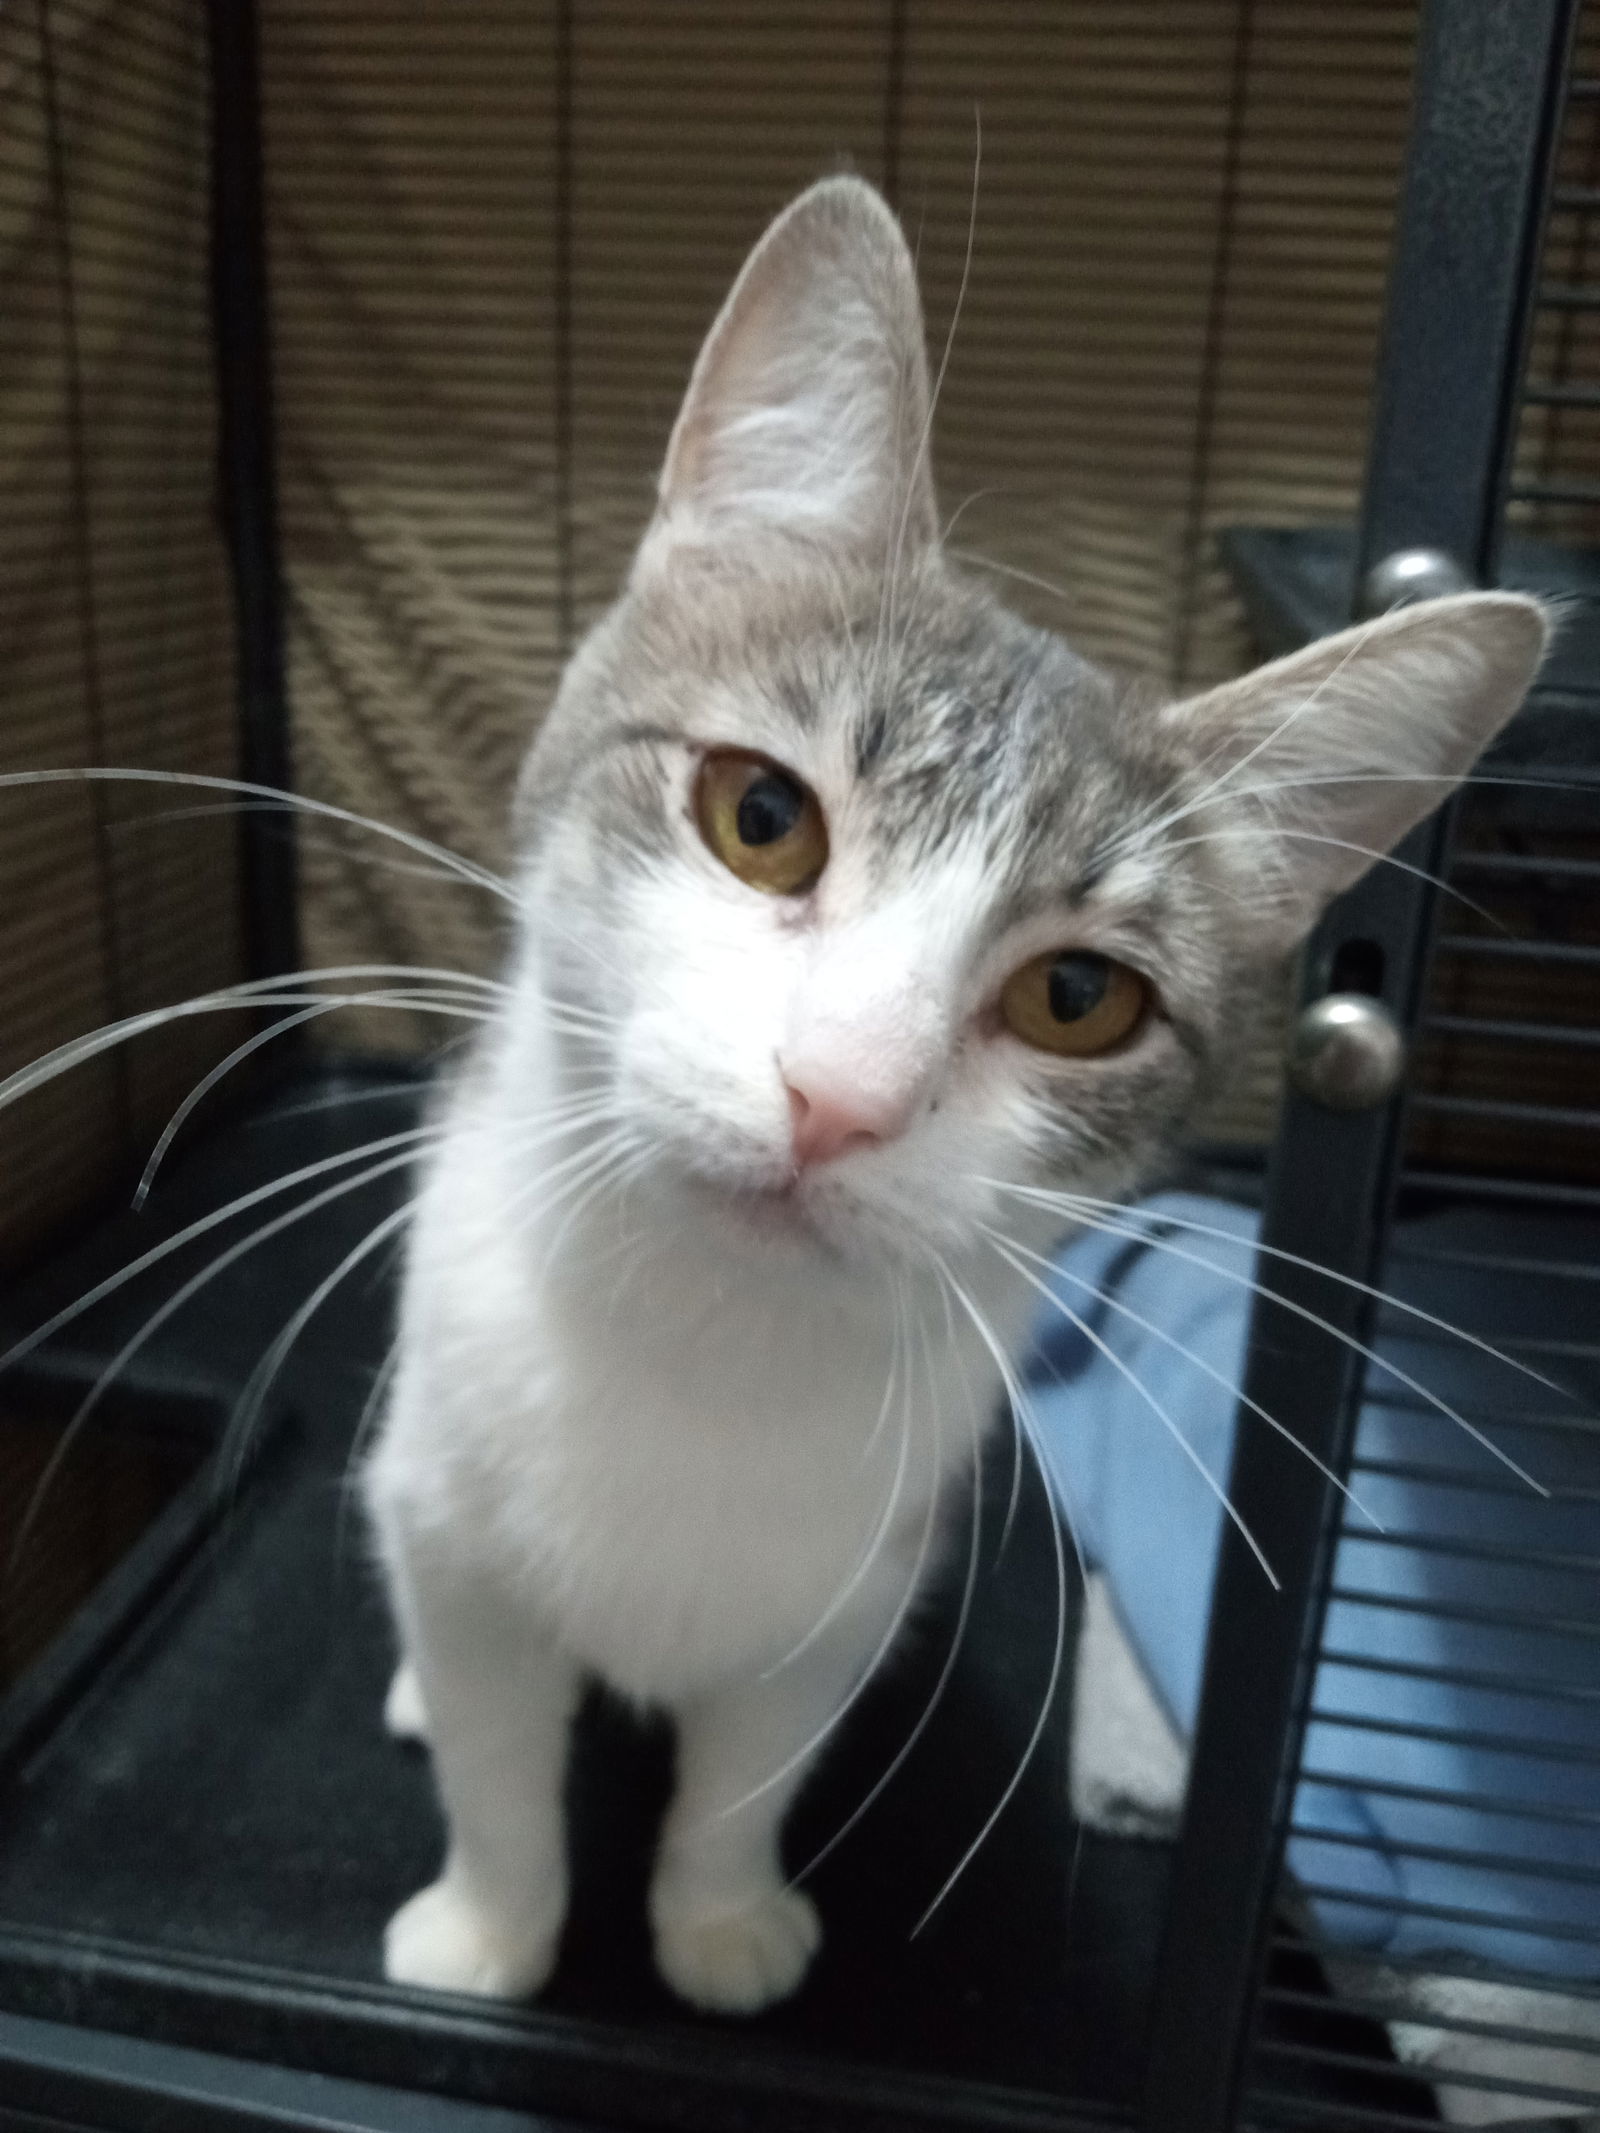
711,1103
1111,1121
994,1113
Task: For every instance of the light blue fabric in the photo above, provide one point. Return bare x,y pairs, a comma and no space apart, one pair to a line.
1149,1519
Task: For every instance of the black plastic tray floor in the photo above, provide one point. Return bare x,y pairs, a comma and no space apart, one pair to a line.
205,1846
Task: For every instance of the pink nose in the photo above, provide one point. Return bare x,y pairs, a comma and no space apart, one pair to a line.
825,1126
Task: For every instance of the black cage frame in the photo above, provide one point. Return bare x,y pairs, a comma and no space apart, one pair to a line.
1492,80
1491,90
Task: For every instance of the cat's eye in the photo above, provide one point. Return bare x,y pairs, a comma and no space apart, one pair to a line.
762,823
1074,1003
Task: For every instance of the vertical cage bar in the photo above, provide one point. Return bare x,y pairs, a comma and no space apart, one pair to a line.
561,309
1488,94
109,920
1192,549
248,476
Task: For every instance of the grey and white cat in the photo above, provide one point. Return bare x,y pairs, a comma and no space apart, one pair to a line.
848,905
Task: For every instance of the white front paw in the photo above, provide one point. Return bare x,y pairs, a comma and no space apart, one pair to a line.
734,1962
445,1941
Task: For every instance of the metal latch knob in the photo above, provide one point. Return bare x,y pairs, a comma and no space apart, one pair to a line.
1410,574
1347,1052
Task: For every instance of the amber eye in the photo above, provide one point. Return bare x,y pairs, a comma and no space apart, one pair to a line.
1074,1003
763,824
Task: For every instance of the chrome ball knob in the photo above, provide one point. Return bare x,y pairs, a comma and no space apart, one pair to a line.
1347,1052
1411,574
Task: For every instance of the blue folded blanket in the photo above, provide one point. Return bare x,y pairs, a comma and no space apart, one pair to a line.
1498,1716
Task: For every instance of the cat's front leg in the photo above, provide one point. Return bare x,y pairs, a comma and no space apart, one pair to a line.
499,1701
731,1934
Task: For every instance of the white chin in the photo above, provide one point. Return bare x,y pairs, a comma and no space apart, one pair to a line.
754,1212
815,1214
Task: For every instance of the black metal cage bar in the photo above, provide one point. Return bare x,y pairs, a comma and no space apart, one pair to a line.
1256,2011
1489,93
247,457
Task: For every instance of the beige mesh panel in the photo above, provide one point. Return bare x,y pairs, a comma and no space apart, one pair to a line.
500,231
1558,441
114,643
1542,1090
1319,120
690,128
499,234
1320,128
411,171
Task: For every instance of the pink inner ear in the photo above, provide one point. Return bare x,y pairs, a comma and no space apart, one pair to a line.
807,410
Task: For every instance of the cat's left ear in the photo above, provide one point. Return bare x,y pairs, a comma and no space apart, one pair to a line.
1305,772
807,413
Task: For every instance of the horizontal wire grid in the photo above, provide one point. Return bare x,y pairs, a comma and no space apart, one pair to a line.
115,639
115,649
500,230
1442,1876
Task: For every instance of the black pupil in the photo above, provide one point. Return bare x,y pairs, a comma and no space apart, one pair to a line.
1077,985
770,809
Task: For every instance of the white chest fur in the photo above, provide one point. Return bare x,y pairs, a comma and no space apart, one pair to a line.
685,1470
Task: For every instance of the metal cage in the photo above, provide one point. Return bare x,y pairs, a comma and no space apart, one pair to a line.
151,1654
1459,1173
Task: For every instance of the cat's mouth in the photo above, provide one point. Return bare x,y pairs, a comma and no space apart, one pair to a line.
776,1210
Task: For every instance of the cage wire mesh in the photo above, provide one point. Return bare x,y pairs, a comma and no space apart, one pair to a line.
1443,1857
497,234
114,629
115,648
495,243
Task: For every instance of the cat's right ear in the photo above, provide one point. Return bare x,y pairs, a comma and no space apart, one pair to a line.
1312,768
807,413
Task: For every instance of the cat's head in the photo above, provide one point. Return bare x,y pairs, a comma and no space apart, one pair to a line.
880,894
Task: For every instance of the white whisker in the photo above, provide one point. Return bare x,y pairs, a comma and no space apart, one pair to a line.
165,1311
895,557
340,849
969,1587
1010,570
383,1377
884,1646
251,1400
410,1139
1086,1211
1218,1377
466,869
891,1502
1150,1400
1021,1410
1343,844
1142,834
594,1176
337,1098
1311,1266
1222,784
208,1082
440,993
